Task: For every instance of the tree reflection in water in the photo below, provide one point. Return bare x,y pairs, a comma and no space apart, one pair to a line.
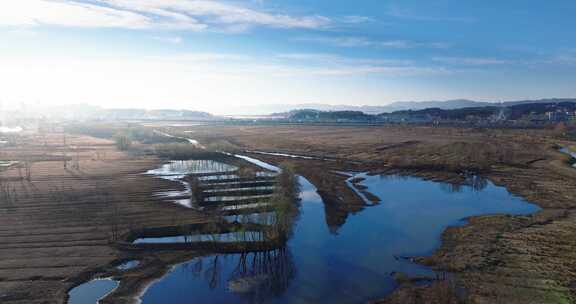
261,275
255,276
475,182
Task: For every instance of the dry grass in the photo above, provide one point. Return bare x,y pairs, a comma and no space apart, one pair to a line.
58,226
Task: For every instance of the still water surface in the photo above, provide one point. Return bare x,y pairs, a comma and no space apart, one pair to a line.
351,263
92,291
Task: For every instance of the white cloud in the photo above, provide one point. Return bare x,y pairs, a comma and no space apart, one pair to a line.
397,12
354,19
169,39
195,15
472,61
320,64
332,59
74,14
365,42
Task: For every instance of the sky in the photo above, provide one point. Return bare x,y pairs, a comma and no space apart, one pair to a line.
222,55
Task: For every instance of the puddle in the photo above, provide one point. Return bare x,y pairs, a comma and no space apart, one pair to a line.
91,292
128,265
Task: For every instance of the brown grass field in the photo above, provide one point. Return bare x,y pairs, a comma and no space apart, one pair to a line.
61,227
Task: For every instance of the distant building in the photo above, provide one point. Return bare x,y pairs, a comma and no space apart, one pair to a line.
558,116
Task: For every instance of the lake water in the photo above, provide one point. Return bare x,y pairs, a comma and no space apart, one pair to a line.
351,263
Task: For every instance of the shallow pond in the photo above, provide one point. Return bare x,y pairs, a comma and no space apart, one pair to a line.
347,263
128,265
178,169
183,167
92,291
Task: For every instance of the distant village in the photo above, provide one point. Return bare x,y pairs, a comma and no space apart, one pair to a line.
522,115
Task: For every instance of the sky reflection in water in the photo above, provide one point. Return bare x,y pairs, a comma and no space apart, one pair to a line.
352,265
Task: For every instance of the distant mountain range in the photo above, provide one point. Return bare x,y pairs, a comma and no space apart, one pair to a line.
283,109
90,112
515,113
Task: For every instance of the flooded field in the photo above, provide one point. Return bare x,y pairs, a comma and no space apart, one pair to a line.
354,264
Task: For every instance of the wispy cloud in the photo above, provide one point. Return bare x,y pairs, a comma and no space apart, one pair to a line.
211,58
402,13
333,59
76,14
336,65
193,15
354,19
352,41
295,65
567,57
477,61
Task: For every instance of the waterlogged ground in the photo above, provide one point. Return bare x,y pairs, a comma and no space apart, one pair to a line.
351,265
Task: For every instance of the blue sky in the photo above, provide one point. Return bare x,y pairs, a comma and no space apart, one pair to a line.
221,55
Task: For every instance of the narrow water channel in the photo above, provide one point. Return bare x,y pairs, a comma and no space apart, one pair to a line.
567,150
353,265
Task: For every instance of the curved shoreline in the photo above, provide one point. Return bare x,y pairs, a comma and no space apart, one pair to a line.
437,260
461,244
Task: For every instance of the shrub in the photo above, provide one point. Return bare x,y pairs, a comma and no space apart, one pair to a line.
123,141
